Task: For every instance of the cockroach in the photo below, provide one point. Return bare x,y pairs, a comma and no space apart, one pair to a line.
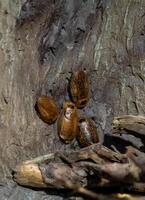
47,109
87,133
79,88
68,122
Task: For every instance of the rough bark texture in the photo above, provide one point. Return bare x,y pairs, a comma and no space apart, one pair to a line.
40,43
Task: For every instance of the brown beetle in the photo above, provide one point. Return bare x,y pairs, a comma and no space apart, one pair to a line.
47,109
79,88
68,122
87,133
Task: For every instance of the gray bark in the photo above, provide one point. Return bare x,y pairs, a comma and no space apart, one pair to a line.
40,43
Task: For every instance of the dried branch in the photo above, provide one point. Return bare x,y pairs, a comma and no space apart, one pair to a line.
129,124
137,156
58,169
93,166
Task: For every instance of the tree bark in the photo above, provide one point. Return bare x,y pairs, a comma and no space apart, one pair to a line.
40,43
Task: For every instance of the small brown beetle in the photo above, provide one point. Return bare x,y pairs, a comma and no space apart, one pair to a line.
87,133
47,109
79,88
68,122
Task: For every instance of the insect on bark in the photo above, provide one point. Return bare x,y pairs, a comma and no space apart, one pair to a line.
87,133
79,88
68,122
47,109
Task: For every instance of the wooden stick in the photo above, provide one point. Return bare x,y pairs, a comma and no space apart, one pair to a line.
129,124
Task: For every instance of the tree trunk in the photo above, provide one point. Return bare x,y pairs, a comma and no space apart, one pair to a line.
40,43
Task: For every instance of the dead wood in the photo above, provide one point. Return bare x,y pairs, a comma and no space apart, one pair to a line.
95,166
129,124
137,156
82,170
97,152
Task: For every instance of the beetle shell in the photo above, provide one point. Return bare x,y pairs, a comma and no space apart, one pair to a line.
87,133
79,88
68,122
47,109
